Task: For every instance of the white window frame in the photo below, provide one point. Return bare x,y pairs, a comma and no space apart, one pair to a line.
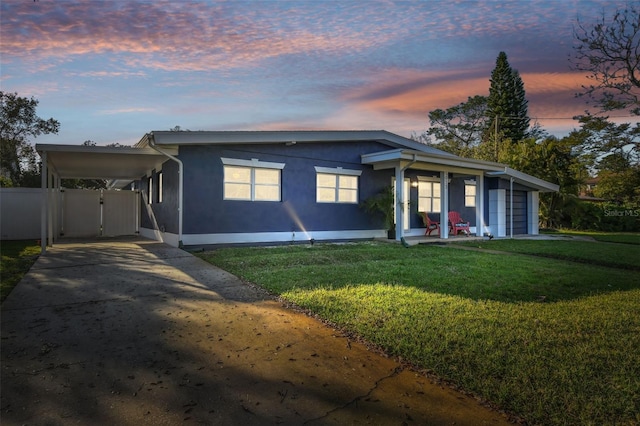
150,189
336,172
470,199
160,186
253,165
428,200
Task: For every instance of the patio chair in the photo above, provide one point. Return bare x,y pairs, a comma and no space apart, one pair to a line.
430,224
457,223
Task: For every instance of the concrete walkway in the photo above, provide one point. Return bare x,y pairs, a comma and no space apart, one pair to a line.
131,331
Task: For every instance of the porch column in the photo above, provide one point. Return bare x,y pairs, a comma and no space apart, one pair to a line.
399,200
44,206
480,205
444,204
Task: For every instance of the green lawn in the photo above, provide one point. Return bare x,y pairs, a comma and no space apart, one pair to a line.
612,237
594,253
17,258
552,340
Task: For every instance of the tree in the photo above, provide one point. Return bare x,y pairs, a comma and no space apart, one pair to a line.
459,129
609,51
507,104
554,160
18,122
603,137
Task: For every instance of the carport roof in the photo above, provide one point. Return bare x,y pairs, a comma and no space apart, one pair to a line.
100,162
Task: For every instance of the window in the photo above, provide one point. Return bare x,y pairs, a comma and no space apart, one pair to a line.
159,187
429,196
150,190
251,180
469,193
336,185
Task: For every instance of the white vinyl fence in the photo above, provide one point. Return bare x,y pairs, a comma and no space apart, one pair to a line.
78,213
20,213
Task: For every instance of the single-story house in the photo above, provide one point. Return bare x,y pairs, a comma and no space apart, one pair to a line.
230,187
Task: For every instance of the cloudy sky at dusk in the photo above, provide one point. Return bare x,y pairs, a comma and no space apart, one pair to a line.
112,70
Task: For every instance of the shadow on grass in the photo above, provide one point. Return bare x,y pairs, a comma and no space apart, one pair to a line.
475,275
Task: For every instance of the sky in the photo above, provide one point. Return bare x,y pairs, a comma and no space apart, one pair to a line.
111,71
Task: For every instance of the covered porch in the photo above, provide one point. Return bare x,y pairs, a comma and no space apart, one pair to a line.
437,184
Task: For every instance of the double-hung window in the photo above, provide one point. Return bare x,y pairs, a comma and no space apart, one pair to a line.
252,180
429,196
337,185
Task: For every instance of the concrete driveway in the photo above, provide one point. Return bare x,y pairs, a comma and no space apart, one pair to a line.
132,331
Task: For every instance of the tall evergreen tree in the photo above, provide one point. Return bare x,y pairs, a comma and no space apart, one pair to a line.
507,105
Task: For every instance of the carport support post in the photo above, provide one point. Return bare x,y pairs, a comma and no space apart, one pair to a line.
50,206
44,207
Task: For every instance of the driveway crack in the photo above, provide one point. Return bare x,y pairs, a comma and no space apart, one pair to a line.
355,400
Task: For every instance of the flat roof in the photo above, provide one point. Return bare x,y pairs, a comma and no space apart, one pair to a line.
100,162
169,138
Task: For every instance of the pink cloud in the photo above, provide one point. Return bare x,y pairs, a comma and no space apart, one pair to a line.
166,36
551,96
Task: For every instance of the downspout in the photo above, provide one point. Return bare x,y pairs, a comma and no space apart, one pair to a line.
152,145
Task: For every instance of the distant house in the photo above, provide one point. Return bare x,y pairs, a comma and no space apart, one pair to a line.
586,191
212,188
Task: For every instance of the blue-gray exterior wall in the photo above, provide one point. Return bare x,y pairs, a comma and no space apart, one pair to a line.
519,205
161,215
205,210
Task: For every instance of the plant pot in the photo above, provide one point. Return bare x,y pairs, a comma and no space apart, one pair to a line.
391,234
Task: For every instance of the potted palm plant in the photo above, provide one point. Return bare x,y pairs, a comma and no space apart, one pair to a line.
382,204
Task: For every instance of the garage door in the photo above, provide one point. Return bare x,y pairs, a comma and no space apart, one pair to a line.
519,212
92,213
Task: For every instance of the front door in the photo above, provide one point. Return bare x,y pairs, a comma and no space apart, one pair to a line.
405,203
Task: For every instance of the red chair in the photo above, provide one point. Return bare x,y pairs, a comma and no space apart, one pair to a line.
456,224
430,225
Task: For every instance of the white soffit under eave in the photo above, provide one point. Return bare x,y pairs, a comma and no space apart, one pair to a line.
81,162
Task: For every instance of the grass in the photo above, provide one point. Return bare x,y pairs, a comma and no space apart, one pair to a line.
17,258
550,339
625,256
612,237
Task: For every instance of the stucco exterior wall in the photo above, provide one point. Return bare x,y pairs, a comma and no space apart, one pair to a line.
206,211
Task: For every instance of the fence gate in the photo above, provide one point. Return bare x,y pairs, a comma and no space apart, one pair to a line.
92,213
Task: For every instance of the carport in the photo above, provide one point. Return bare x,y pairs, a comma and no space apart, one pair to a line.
118,165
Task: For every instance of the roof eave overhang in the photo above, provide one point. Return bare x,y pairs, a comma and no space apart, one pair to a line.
98,162
442,163
525,179
288,137
434,162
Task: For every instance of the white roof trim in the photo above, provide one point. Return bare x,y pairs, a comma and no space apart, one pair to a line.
254,162
288,138
100,162
525,179
396,155
338,171
399,157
